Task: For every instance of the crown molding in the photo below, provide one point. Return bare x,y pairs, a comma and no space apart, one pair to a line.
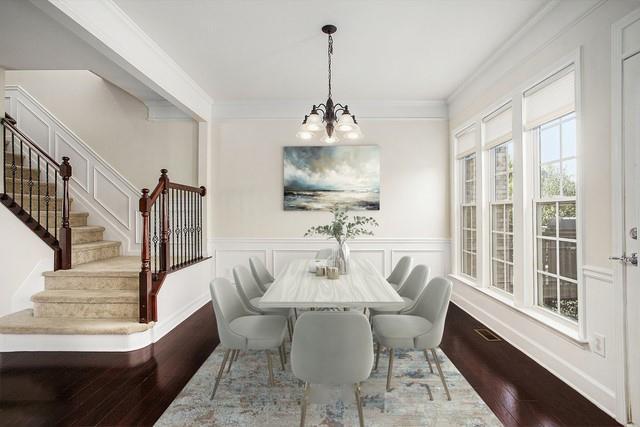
296,109
109,30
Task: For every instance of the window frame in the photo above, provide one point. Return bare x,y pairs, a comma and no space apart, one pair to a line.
462,203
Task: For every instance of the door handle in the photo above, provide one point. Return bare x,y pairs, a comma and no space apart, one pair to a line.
633,259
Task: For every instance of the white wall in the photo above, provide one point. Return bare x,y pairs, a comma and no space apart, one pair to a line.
248,182
115,125
595,376
21,254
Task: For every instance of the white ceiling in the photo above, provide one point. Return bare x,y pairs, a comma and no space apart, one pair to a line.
250,50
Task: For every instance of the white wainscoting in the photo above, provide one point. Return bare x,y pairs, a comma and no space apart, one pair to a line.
96,187
277,252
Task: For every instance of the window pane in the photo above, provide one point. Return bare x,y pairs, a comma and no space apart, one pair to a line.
466,240
498,217
509,279
568,264
501,159
473,266
546,218
569,177
569,299
472,236
550,179
509,215
497,275
547,292
498,245
569,137
501,187
549,143
508,247
547,256
567,222
470,192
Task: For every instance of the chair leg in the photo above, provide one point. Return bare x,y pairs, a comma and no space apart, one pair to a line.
429,392
231,359
426,356
377,355
224,362
282,362
303,404
359,403
290,329
295,313
284,353
237,355
390,371
270,366
444,383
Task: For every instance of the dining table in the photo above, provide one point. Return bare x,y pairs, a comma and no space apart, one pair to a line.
297,286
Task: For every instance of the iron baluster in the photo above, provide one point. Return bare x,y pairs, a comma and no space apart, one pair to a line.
30,184
46,200
21,176
39,189
55,205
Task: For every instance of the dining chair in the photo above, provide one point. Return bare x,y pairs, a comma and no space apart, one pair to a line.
410,291
260,273
250,294
324,253
420,329
332,348
400,272
242,330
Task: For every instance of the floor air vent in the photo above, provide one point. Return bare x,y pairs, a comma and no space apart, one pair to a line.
488,335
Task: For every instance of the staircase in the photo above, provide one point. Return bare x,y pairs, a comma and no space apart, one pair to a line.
99,293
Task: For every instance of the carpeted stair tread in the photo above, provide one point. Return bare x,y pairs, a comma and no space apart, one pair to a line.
122,266
102,296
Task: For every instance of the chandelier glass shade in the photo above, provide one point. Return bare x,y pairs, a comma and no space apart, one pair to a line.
328,121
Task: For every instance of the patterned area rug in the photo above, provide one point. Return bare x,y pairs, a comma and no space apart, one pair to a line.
245,399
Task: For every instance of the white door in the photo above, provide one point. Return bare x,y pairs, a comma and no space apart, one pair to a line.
631,144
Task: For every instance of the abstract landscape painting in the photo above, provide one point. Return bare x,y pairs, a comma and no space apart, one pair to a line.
319,178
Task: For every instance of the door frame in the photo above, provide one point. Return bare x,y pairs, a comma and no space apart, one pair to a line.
617,212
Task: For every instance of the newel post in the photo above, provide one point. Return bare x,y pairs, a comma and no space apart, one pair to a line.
164,221
65,229
145,272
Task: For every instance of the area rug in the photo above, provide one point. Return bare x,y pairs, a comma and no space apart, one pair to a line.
245,399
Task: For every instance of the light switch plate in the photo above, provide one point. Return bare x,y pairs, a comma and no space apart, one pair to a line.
598,345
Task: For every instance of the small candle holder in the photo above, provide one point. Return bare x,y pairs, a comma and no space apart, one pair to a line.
321,270
333,273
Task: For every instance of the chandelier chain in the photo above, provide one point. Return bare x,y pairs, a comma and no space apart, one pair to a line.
329,53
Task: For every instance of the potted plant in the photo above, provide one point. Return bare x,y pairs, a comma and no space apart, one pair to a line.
343,228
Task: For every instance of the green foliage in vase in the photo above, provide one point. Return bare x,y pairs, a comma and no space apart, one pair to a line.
342,228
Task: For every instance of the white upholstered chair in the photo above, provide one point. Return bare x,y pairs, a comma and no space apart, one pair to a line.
250,293
400,272
332,348
409,291
420,329
260,273
242,330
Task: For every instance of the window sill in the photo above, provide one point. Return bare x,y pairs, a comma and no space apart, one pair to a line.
562,330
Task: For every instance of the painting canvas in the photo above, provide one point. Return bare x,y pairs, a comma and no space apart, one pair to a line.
319,178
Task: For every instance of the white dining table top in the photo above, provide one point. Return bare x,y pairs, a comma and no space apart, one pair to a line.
297,287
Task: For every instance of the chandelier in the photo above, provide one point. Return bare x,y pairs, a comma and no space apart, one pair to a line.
325,119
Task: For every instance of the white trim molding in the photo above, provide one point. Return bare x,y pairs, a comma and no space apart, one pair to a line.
384,253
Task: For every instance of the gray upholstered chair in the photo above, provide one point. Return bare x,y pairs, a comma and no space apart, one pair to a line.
400,272
250,293
324,253
420,329
409,291
241,330
260,273
332,348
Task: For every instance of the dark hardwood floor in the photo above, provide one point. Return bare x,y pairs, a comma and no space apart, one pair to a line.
50,388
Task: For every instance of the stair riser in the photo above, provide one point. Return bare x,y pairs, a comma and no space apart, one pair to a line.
91,283
86,236
86,311
89,255
75,220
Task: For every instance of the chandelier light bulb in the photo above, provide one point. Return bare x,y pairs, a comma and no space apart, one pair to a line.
305,135
345,123
330,139
313,127
314,118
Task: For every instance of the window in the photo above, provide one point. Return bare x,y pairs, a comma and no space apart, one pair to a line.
555,210
502,217
497,140
468,213
551,120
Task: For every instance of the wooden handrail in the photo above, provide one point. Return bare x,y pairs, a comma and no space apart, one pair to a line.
171,237
25,199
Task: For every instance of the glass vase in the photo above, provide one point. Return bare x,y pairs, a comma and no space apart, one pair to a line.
342,258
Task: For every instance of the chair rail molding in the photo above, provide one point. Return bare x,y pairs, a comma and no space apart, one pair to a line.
98,188
383,252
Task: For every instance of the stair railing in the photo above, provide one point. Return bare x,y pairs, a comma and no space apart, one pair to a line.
34,183
172,237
